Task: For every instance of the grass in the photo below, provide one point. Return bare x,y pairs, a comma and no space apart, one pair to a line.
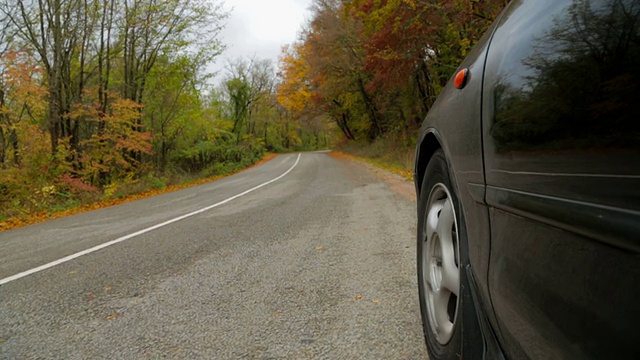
394,153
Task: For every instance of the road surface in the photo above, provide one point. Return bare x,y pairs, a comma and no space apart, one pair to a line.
304,257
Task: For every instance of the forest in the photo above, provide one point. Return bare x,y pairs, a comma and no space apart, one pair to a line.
100,99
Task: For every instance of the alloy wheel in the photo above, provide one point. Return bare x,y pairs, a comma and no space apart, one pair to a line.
441,269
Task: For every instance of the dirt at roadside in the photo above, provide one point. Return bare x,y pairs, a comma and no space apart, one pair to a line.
397,183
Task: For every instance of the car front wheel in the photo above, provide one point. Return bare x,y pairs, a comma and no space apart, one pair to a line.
439,261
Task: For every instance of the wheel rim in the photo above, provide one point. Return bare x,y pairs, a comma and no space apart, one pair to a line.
440,259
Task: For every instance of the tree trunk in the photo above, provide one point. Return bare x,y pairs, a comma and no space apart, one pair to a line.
425,88
343,122
372,110
55,81
15,146
3,141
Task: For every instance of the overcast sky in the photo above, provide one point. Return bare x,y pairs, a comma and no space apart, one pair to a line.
261,28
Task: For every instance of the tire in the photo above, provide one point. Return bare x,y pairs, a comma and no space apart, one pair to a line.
440,267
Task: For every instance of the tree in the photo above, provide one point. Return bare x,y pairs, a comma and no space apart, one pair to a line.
246,84
52,29
376,66
22,103
151,28
336,54
171,102
294,88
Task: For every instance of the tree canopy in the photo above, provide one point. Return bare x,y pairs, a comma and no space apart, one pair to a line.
98,97
375,66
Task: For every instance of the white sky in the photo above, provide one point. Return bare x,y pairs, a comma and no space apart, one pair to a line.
261,28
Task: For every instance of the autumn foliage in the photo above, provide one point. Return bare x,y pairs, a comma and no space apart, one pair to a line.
101,99
374,67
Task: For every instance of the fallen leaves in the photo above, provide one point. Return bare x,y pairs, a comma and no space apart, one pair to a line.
402,185
398,170
359,297
114,315
320,248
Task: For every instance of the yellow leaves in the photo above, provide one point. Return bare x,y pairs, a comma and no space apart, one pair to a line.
411,3
117,187
110,190
360,297
294,91
48,191
320,248
114,315
3,340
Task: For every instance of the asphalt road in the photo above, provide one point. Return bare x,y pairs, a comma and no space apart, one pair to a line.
316,264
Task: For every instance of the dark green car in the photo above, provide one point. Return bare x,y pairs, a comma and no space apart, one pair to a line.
528,180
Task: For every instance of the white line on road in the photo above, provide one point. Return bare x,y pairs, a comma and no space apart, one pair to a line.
143,231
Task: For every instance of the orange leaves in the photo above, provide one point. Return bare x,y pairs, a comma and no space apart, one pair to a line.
376,66
360,297
124,111
110,150
294,91
22,105
123,127
23,82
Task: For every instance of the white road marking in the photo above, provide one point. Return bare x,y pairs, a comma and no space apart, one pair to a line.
143,231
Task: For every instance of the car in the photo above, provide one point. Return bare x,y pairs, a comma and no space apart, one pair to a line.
527,175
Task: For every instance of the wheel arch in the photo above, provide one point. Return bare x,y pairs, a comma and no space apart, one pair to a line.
428,146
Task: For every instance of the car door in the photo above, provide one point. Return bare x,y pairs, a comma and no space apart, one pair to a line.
561,142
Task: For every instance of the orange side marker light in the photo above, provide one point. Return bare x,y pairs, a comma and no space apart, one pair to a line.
461,78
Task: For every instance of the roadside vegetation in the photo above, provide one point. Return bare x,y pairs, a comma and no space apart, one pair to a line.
375,67
104,99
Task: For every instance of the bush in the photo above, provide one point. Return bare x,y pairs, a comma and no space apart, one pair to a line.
215,158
